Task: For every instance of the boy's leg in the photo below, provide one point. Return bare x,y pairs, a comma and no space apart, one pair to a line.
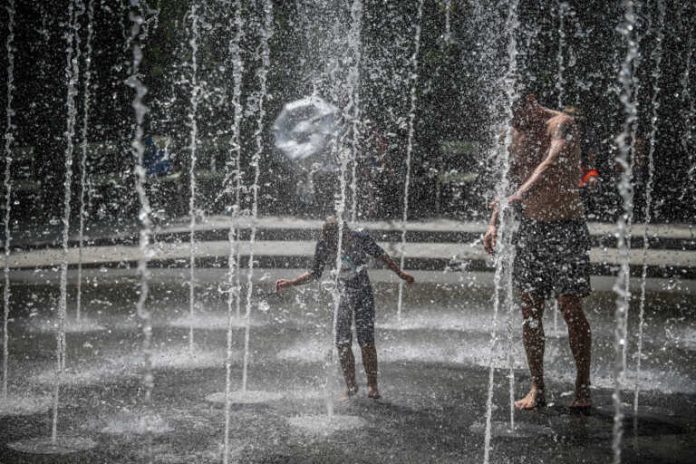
344,339
534,344
573,284
369,356
345,355
580,338
532,278
365,327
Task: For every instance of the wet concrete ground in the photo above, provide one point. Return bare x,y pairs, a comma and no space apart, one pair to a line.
433,373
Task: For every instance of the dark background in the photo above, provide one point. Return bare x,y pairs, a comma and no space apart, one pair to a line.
460,101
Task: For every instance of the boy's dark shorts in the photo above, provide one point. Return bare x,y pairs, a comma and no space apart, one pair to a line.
552,258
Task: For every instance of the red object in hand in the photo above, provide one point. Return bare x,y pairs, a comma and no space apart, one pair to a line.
587,176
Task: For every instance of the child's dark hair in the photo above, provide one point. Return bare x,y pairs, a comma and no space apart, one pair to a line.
329,232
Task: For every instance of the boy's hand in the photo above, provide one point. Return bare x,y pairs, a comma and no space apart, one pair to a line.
282,283
489,239
514,198
407,277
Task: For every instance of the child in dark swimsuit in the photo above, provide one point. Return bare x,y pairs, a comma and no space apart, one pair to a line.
357,301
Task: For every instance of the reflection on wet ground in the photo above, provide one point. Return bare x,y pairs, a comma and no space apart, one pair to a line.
433,373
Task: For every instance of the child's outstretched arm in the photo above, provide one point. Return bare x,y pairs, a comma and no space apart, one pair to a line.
391,264
300,280
314,274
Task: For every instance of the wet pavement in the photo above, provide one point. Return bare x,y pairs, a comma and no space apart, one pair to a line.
433,374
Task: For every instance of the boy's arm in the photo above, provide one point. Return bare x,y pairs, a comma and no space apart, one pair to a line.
491,232
300,280
564,132
314,274
391,264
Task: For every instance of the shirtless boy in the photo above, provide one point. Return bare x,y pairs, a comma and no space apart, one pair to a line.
552,243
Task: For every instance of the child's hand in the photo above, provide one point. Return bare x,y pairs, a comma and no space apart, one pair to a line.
407,277
282,283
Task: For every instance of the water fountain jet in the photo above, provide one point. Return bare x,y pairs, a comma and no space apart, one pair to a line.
61,444
621,286
504,253
9,138
83,154
193,114
647,216
409,148
143,421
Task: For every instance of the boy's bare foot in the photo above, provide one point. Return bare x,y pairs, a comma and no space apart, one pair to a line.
580,406
373,393
534,399
583,400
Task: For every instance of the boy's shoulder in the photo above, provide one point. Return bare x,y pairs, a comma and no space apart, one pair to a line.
363,237
361,232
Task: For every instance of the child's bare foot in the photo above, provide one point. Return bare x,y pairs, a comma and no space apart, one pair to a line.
348,393
534,399
373,393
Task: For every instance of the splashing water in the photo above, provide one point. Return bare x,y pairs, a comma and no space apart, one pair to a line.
503,252
448,21
304,128
136,423
627,97
233,180
330,365
655,102
83,154
689,103
193,114
632,135
262,74
67,445
72,72
323,425
355,47
144,215
235,144
247,397
574,50
343,156
123,18
9,138
233,166
137,35
409,147
511,317
233,295
337,50
561,8
555,311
